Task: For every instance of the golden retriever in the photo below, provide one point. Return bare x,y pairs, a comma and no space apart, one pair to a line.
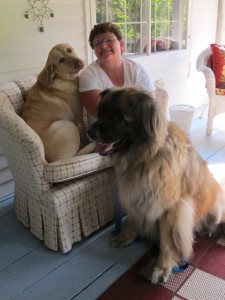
53,109
165,187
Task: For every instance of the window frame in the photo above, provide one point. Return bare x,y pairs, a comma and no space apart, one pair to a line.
148,52
220,32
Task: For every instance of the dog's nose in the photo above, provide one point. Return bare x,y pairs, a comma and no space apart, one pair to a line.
79,63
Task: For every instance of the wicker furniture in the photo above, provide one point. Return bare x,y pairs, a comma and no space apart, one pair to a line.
63,201
216,102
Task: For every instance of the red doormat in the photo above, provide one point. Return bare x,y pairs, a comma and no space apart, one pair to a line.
204,279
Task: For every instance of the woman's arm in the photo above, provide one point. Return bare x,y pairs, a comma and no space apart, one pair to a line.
90,100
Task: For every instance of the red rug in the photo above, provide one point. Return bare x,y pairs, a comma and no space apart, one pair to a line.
204,279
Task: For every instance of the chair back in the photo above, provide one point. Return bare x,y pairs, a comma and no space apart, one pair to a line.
22,147
202,59
216,96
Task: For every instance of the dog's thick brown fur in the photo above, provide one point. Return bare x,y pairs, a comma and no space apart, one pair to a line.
53,109
164,185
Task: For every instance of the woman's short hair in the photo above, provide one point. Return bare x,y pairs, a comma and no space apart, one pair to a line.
103,28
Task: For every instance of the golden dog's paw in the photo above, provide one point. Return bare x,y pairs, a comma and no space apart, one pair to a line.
155,274
120,241
160,275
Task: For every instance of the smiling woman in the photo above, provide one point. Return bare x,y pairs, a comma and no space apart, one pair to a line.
110,68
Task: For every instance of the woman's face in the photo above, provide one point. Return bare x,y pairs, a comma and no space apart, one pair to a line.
107,46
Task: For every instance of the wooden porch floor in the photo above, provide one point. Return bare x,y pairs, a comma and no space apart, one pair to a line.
28,270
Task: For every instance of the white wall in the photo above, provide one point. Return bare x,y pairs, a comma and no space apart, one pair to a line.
23,50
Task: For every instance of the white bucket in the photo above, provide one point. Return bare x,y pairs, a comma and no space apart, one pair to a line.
182,115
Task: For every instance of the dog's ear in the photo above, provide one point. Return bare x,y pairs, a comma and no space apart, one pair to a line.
146,118
153,119
47,75
129,105
103,93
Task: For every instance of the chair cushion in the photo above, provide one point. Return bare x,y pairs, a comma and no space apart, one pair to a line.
209,62
75,167
220,92
218,52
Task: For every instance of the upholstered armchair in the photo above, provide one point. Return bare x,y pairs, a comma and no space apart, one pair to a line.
60,202
63,201
216,95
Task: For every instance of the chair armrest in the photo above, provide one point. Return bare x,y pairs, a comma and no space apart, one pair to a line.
210,81
201,66
75,167
24,151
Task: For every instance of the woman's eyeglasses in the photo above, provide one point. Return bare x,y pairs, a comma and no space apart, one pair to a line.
108,41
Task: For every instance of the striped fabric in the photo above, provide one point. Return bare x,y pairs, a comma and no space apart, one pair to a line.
60,202
75,167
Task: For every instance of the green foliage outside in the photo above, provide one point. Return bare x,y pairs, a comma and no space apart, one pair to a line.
132,15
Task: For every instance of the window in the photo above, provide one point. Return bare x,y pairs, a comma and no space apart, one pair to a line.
148,26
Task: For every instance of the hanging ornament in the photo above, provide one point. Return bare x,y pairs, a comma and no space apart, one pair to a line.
39,10
42,29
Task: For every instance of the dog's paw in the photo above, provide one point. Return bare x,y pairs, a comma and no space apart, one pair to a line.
155,274
160,275
120,241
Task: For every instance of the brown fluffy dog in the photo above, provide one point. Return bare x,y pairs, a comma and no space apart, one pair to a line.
53,109
164,185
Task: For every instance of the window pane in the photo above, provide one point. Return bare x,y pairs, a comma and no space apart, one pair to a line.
116,11
164,21
101,11
162,9
136,10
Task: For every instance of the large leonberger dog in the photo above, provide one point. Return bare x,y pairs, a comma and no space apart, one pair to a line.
164,185
53,109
